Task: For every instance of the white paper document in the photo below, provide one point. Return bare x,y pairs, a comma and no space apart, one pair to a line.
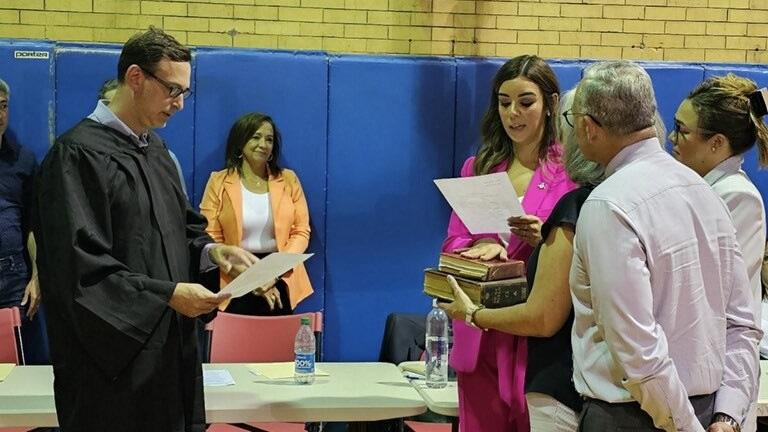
5,370
263,271
483,203
279,370
217,378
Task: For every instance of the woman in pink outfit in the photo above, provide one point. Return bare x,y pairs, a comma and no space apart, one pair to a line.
519,130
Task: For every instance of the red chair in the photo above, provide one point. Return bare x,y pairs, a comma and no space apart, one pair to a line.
253,427
275,337
10,344
10,336
417,426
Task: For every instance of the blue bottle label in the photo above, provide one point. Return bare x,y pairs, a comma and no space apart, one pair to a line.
305,363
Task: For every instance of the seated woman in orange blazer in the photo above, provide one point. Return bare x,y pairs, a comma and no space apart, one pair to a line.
255,204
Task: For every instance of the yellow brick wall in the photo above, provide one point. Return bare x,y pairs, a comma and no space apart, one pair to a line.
689,30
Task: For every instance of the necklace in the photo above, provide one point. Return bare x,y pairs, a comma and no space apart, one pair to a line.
254,181
251,178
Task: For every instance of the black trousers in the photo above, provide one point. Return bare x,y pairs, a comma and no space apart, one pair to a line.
251,304
599,416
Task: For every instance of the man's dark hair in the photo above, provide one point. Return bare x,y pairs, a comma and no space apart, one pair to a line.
147,49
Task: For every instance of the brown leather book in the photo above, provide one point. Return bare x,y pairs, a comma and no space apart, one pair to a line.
470,268
491,294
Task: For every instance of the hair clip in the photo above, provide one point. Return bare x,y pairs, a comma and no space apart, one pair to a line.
758,99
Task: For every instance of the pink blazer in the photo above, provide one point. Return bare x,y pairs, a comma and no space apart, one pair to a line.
549,182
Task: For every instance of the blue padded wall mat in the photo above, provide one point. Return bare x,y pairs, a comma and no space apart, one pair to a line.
28,67
366,135
80,72
474,78
759,74
293,89
390,134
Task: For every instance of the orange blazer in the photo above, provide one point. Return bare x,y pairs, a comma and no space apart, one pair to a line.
222,205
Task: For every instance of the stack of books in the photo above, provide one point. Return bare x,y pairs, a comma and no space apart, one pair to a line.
493,284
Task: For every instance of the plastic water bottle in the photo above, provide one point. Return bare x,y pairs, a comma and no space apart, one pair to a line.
451,372
437,347
304,347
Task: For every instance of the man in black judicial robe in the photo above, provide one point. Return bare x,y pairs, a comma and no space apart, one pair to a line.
118,244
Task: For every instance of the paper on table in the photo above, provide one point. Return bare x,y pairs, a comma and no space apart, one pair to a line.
265,270
5,370
279,370
483,203
418,368
217,378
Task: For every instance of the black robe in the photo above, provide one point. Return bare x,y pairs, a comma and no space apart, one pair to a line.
115,233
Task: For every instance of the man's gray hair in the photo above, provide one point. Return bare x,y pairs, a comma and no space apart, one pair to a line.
619,95
661,129
5,88
580,170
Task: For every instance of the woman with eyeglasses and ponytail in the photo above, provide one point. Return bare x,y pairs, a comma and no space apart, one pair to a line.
715,126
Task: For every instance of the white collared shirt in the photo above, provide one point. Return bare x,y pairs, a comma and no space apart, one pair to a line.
746,207
662,301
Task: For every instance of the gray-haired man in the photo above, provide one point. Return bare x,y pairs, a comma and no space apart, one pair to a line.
664,333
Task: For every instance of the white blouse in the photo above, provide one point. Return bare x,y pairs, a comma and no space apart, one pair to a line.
258,225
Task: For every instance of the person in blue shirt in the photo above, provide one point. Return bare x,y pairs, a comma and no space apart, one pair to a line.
18,273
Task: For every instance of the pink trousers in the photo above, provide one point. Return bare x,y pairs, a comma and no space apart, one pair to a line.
491,394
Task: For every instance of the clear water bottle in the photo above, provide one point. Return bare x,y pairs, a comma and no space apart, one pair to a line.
304,347
451,372
437,347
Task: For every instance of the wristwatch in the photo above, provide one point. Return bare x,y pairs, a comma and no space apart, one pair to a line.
725,418
469,315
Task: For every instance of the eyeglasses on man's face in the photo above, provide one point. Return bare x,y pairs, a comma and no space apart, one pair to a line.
570,115
174,91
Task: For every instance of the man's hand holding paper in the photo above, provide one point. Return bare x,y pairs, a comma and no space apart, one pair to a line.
193,300
231,260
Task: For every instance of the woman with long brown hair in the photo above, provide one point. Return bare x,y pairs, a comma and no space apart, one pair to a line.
518,130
